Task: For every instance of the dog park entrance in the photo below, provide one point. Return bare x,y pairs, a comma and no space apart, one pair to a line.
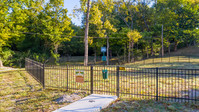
168,84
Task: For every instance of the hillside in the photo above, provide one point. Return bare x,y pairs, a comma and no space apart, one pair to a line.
187,58
192,50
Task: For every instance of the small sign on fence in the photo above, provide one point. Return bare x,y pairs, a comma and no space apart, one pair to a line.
121,68
79,75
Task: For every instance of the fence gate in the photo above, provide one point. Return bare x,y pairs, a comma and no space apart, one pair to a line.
106,84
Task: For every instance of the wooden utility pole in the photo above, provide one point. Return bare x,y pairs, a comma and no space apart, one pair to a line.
107,52
86,35
162,42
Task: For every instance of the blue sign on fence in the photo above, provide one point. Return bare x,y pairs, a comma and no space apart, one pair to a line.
103,49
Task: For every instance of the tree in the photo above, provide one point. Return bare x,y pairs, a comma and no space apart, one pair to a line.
101,14
56,26
85,7
133,36
4,26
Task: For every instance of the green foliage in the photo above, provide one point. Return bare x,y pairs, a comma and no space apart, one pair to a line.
6,55
134,36
40,30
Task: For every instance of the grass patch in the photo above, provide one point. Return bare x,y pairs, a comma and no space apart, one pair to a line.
129,105
133,81
20,92
184,62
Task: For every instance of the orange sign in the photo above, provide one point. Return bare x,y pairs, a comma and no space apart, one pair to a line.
79,74
121,68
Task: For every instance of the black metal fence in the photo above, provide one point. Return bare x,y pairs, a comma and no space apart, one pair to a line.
180,85
36,69
167,59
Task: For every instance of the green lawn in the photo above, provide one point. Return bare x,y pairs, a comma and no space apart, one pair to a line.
185,62
171,62
19,92
132,81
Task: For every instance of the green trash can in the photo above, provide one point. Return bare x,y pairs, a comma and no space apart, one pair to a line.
105,74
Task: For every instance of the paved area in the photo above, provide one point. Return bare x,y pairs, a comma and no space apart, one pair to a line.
91,103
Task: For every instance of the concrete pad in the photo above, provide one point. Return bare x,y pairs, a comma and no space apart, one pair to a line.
91,103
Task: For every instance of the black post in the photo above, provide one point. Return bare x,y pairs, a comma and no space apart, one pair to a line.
43,75
118,82
156,84
178,59
153,59
67,77
91,79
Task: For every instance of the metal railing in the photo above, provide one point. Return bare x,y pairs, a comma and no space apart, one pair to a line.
178,85
36,69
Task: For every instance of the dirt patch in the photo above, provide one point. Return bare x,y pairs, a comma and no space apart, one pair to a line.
191,94
68,98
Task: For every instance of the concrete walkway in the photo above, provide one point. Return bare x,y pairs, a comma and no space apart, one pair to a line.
91,103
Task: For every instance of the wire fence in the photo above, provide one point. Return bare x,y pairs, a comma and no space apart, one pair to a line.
163,84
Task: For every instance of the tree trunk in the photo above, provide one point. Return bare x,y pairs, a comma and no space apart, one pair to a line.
162,43
95,56
107,61
169,49
176,46
152,53
147,52
56,49
86,35
132,56
129,54
124,53
1,63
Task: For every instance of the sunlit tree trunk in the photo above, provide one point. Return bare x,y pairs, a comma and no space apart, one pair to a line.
129,53
147,52
132,56
176,46
86,35
56,49
1,63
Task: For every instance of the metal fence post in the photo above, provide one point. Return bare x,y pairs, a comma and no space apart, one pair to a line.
44,75
118,82
67,77
91,79
156,84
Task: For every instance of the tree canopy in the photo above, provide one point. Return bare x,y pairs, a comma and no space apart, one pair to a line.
132,28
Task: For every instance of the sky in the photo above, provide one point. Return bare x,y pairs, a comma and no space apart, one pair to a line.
70,5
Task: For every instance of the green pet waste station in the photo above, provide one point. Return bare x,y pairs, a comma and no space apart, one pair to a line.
105,74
